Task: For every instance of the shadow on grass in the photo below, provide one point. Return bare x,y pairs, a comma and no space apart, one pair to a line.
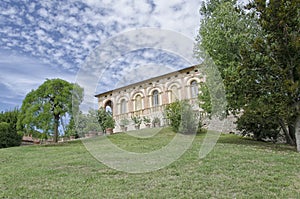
239,140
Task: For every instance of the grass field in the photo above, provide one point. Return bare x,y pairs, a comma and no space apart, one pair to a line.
236,168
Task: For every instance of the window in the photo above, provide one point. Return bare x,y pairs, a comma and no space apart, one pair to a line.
109,106
138,102
123,106
174,93
155,101
194,89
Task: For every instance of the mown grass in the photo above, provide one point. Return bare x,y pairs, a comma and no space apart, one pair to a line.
235,168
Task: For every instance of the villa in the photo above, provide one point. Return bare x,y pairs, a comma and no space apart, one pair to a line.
148,98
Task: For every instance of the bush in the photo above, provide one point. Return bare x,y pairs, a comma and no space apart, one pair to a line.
105,119
8,129
182,117
261,126
189,122
173,114
8,136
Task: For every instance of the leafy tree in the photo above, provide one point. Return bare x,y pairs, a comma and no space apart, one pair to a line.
225,31
92,123
182,118
189,121
8,130
71,128
205,99
105,119
271,68
43,108
257,54
84,123
173,114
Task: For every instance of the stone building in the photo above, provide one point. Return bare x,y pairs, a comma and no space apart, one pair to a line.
149,97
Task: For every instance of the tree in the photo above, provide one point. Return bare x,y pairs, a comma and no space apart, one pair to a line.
43,108
257,54
224,32
205,99
92,123
173,114
8,130
272,64
71,128
182,117
105,119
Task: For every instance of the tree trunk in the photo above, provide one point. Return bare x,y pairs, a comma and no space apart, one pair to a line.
56,123
297,133
288,137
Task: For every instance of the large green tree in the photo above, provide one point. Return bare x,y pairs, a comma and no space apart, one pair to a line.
271,68
257,54
43,108
225,30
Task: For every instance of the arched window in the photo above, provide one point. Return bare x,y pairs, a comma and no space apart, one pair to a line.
194,89
123,106
155,101
174,93
109,107
138,102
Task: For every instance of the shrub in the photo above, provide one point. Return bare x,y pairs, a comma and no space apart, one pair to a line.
105,119
189,122
137,120
182,117
8,129
8,136
173,114
146,120
156,122
253,122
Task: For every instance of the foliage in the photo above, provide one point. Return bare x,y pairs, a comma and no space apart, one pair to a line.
189,122
257,54
8,130
270,68
71,128
92,123
182,117
137,120
43,108
110,122
146,120
8,136
173,114
105,119
260,125
224,32
205,99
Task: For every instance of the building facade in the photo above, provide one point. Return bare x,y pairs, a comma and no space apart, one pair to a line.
149,97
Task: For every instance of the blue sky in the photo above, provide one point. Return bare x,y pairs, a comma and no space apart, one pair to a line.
42,39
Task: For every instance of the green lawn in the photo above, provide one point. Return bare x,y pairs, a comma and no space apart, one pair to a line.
236,168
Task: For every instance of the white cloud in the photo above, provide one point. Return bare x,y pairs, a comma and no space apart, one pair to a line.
20,74
63,33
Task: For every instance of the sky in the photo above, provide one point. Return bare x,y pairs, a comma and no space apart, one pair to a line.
45,39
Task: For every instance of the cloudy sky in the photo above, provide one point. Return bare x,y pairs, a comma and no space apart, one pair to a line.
42,39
